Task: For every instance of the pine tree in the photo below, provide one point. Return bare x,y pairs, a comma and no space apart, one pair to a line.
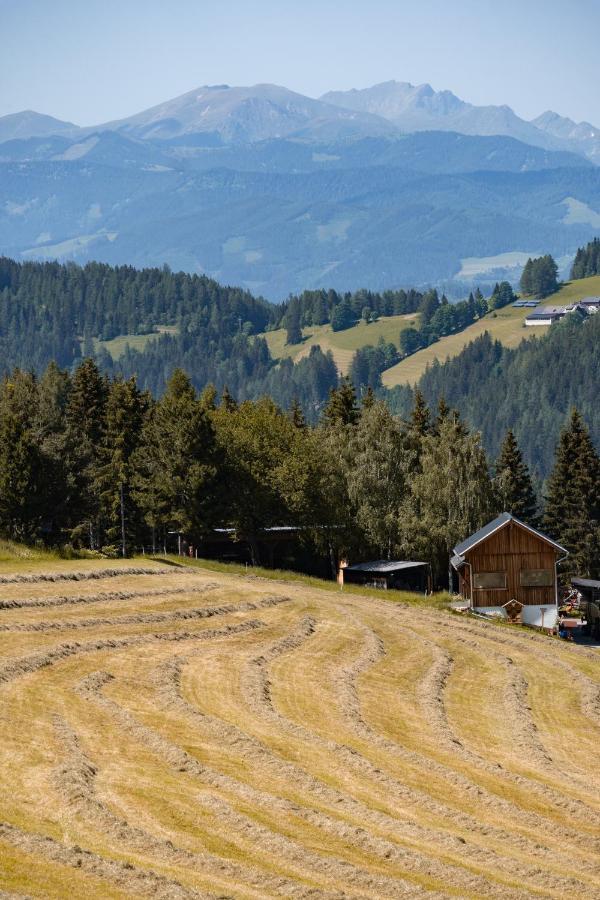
513,484
526,282
572,514
296,414
368,398
341,408
22,480
175,463
126,408
227,401
443,413
85,418
208,398
420,419
294,331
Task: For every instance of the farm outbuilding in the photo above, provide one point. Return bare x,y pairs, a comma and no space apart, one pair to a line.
394,574
589,590
509,568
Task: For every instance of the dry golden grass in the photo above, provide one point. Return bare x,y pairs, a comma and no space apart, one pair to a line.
171,733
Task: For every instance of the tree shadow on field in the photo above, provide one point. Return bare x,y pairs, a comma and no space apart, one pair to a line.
169,562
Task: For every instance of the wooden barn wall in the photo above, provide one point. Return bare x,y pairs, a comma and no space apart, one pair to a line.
510,550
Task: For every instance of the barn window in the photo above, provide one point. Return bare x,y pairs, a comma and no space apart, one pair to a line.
537,577
485,581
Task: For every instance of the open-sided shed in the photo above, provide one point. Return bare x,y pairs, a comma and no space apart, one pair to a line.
510,568
400,575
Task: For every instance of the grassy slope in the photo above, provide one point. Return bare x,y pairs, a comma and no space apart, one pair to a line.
116,346
343,344
507,327
165,734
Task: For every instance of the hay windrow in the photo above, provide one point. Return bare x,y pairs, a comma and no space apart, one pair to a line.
259,757
91,574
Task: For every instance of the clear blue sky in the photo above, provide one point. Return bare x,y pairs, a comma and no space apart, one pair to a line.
94,60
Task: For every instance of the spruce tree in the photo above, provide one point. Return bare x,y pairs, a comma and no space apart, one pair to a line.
175,462
85,419
420,419
368,398
296,414
341,408
293,329
443,413
227,401
22,480
572,514
513,484
120,519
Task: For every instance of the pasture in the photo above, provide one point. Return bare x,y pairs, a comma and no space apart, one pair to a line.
343,344
184,732
505,325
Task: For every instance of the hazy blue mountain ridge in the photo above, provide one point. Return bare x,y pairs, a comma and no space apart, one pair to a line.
191,183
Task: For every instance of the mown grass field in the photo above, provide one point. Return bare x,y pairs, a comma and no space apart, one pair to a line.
343,344
506,326
186,732
116,346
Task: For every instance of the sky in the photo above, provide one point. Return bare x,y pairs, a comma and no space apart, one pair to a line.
90,61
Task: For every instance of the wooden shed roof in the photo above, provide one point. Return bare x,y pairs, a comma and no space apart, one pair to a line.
495,525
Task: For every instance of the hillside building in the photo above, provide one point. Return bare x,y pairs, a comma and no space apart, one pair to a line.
394,574
508,568
548,315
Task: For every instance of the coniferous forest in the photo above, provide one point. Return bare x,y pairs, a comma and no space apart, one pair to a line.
179,436
96,463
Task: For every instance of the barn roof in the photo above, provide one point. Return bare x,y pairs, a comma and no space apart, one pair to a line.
586,583
497,523
384,565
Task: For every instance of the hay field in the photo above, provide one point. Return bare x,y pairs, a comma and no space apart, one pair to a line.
171,732
343,344
506,325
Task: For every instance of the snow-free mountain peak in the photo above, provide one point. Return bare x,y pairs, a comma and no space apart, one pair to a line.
248,114
29,123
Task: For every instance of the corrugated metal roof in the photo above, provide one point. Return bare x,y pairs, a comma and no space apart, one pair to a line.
586,582
499,522
384,565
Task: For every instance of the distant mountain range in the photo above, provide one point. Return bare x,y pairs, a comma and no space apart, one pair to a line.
248,114
387,186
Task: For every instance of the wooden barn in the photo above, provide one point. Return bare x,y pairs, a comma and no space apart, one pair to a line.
509,568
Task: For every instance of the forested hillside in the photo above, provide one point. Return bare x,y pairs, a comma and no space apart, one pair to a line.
61,313
530,388
98,463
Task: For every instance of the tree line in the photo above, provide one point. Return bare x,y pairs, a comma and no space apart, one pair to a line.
98,463
529,388
587,260
539,277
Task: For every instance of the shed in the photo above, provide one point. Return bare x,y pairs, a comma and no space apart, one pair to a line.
394,574
547,315
589,588
509,568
